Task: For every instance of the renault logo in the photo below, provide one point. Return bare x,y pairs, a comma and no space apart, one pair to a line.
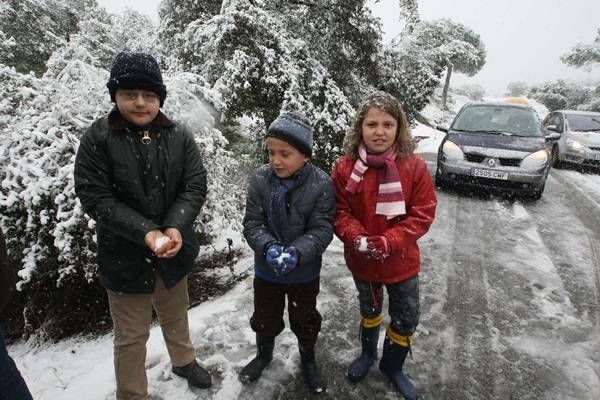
491,162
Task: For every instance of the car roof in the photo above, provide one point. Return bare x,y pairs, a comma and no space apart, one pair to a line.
578,112
498,104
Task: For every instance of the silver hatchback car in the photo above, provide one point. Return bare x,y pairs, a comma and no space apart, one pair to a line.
579,140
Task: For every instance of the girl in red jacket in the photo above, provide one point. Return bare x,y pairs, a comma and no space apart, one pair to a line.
385,202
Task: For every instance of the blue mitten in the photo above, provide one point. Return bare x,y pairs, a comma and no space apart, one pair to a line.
273,255
290,258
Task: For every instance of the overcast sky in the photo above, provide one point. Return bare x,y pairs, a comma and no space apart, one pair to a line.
524,38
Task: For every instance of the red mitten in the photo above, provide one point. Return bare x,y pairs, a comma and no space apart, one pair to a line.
379,247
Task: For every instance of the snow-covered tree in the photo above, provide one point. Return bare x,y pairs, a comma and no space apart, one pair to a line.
409,72
584,55
34,29
258,69
176,15
561,94
409,14
474,91
103,35
344,36
517,88
455,46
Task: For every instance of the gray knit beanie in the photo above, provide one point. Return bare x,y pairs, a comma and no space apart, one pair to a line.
295,129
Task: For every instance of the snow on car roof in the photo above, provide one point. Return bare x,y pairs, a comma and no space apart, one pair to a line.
498,103
520,101
579,112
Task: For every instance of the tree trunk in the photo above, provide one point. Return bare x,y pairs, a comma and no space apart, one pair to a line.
446,87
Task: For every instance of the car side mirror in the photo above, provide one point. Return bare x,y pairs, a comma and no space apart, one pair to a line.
552,136
553,128
442,128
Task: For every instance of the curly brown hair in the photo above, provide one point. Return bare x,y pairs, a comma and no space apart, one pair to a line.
404,143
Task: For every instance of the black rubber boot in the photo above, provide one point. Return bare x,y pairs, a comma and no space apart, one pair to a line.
391,365
264,355
360,366
312,374
195,375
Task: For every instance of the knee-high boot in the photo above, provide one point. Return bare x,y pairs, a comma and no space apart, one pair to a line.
312,374
264,355
369,336
392,361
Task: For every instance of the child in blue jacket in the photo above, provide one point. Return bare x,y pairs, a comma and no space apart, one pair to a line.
290,208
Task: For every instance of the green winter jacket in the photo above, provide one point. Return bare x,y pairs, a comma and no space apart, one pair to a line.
130,188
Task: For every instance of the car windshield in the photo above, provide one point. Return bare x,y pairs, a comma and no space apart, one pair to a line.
498,119
584,123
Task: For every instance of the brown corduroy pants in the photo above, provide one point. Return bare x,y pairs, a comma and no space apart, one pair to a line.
132,315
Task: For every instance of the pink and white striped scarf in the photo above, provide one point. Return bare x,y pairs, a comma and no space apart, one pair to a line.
390,199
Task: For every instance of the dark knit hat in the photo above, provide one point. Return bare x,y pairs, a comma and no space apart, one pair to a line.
136,71
295,129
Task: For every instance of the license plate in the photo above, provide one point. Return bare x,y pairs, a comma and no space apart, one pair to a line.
489,173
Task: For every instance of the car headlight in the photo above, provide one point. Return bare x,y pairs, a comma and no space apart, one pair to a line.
452,152
535,160
575,145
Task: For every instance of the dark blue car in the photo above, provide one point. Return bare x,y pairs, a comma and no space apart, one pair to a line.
495,146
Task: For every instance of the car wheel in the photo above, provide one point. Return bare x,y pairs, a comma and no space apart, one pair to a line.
536,194
556,163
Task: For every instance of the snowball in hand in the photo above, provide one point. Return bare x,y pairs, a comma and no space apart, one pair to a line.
161,243
363,245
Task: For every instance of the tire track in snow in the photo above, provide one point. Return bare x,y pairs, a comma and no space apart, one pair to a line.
596,252
469,352
486,302
577,260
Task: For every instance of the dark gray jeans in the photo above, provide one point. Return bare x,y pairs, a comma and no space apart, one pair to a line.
403,308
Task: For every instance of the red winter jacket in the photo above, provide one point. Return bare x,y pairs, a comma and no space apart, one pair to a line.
355,216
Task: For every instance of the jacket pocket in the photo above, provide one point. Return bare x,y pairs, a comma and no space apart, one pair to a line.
119,259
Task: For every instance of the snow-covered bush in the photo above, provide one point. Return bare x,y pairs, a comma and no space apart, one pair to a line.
47,236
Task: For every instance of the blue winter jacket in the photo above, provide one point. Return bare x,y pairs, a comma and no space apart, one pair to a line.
311,210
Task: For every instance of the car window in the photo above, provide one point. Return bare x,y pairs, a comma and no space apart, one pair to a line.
556,120
518,121
584,123
560,123
552,119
